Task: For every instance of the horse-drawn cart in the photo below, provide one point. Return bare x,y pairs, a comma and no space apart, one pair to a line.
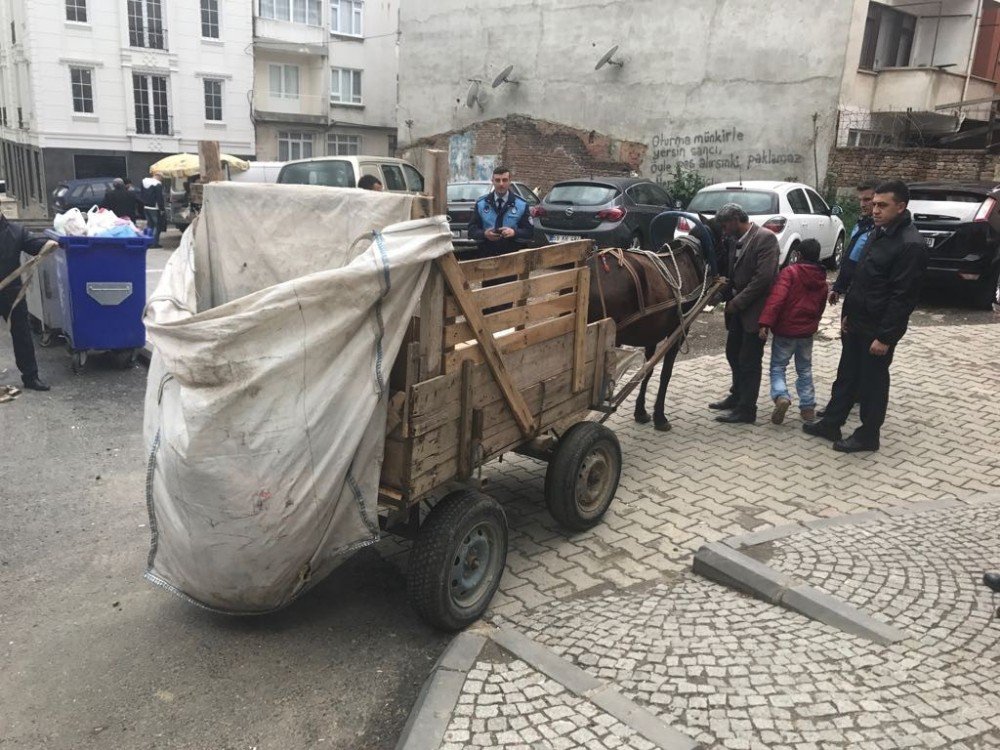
468,387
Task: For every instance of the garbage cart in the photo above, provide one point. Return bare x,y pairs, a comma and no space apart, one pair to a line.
102,293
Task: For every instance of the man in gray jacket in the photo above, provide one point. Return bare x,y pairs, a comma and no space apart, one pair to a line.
753,268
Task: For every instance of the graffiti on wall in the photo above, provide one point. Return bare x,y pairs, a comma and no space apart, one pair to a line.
460,156
725,150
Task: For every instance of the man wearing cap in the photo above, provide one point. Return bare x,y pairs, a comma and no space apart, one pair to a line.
753,268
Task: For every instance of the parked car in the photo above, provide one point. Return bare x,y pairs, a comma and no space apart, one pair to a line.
259,171
462,197
83,194
396,175
612,211
961,223
791,210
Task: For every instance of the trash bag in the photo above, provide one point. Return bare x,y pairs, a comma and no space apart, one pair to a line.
273,334
100,220
70,223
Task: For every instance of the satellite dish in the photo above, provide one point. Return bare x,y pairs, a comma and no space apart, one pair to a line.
504,77
473,96
608,59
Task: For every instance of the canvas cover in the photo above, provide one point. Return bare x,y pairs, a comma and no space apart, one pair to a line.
274,327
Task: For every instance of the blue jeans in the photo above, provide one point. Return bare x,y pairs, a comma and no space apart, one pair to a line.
782,351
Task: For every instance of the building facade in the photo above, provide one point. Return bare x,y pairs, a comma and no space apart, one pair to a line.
95,88
325,77
724,89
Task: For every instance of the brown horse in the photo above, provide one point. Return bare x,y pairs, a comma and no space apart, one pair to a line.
646,305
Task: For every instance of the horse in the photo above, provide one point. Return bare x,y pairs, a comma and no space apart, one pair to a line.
647,298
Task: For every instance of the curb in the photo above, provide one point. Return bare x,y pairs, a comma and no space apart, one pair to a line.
432,713
724,563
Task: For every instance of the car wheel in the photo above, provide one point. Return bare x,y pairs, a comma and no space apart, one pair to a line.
833,262
793,255
987,293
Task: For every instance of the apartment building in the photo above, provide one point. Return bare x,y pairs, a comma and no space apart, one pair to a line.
324,77
93,88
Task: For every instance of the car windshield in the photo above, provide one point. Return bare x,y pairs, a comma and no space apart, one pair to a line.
581,194
328,173
467,192
947,196
752,201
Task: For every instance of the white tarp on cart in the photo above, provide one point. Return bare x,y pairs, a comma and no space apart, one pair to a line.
274,328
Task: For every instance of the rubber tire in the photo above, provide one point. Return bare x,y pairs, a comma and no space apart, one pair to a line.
79,361
125,359
564,471
833,262
987,290
791,252
429,573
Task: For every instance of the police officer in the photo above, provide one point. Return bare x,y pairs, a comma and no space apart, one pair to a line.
15,239
501,222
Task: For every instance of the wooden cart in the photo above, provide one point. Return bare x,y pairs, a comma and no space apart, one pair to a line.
501,358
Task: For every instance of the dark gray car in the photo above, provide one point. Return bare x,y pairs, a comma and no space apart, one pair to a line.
612,211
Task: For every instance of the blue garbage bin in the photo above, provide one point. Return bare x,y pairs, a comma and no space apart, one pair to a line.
102,293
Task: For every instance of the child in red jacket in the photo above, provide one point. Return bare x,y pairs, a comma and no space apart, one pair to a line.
793,311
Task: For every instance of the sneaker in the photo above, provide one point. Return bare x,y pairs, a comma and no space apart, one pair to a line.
808,415
781,405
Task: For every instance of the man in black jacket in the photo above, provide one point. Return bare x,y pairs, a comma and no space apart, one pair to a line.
877,309
120,201
15,239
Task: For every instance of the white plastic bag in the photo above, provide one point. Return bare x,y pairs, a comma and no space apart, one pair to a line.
70,223
100,220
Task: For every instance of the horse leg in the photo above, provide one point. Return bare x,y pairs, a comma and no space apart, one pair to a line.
660,421
641,415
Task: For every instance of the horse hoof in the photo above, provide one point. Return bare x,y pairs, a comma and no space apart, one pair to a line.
663,426
642,417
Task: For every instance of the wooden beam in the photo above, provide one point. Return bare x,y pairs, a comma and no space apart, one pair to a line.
438,187
460,289
210,161
580,331
431,325
465,423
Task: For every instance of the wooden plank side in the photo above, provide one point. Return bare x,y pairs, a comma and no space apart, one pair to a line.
488,348
580,329
536,286
525,261
431,333
433,402
529,314
512,342
396,463
464,438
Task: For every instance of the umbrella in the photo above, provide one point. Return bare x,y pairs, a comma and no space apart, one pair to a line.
185,165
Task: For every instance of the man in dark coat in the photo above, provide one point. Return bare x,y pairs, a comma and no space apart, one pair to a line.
120,201
877,309
753,267
15,239
501,221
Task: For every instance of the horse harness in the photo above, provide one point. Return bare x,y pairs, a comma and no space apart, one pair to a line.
672,280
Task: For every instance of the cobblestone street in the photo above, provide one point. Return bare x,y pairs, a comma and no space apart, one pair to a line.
731,671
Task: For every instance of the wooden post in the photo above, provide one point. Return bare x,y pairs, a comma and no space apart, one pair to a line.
465,423
474,316
210,161
435,164
432,325
580,328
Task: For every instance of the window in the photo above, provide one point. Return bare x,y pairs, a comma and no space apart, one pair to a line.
648,194
414,180
523,190
151,113
294,145
145,24
76,10
284,81
754,202
345,86
797,200
328,172
296,11
3,116
338,144
82,83
345,17
210,19
888,39
213,100
819,206
393,178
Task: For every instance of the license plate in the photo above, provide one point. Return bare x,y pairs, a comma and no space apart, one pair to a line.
929,241
564,237
457,234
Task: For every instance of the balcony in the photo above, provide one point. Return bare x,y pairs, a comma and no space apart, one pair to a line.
289,37
922,89
304,108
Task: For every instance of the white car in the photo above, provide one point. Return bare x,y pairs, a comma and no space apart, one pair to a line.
791,210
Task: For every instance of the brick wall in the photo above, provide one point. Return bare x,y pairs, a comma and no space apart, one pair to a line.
541,153
848,166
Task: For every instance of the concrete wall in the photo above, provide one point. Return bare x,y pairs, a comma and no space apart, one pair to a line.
721,87
848,166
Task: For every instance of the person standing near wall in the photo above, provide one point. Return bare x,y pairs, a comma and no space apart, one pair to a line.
501,222
154,205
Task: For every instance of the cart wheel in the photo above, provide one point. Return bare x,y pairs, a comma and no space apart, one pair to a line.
46,338
79,360
582,477
457,559
124,358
